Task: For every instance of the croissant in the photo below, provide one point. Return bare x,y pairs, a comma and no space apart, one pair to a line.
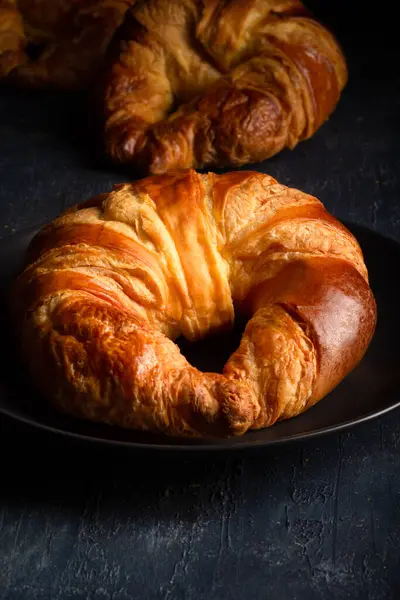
112,282
213,83
56,43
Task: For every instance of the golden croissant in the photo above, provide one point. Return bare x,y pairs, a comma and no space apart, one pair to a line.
111,283
212,83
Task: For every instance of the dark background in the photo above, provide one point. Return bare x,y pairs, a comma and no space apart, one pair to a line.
304,521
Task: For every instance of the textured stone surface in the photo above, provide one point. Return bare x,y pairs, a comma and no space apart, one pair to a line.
299,522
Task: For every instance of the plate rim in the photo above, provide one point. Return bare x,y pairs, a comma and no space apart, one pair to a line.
198,447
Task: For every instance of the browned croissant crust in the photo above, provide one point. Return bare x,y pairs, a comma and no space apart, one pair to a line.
111,283
201,83
56,43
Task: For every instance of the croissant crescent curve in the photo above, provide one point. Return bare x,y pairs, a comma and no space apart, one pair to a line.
206,83
111,283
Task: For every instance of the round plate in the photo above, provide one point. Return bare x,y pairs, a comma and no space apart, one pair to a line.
370,390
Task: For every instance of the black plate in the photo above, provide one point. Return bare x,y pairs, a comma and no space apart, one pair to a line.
370,390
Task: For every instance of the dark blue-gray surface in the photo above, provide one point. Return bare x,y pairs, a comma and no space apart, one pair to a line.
301,522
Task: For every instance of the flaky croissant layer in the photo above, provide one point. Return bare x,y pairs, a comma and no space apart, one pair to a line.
111,283
217,82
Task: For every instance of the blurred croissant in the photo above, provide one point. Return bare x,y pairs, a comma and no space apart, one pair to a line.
111,283
181,83
56,43
213,83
